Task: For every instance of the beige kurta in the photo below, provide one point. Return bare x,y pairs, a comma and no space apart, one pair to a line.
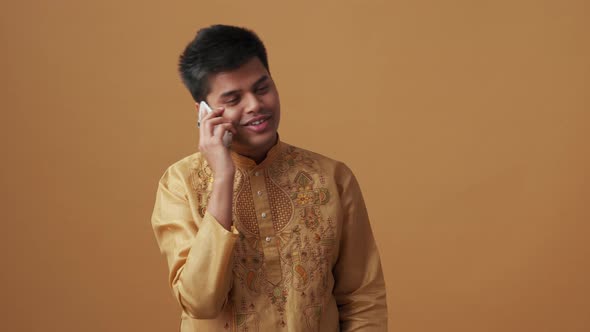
300,257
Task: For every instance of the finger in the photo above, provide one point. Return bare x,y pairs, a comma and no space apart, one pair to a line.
230,126
221,131
222,128
204,115
216,121
209,125
204,123
216,112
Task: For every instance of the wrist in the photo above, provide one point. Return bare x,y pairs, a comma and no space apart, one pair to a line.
224,178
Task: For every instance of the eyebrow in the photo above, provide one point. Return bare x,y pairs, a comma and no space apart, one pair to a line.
232,92
261,80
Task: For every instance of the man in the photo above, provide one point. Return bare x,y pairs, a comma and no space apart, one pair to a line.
261,236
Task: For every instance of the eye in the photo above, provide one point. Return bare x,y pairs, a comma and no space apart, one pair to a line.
233,101
262,89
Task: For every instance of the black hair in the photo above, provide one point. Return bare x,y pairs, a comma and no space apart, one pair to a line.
215,49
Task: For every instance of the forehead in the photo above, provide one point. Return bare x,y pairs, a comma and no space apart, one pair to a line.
241,78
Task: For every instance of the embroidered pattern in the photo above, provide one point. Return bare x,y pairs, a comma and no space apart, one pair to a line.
313,314
200,180
281,208
303,231
305,236
245,212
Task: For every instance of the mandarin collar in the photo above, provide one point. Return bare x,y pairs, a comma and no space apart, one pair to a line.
249,164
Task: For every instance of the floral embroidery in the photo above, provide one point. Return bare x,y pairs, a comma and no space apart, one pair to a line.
305,237
201,180
313,314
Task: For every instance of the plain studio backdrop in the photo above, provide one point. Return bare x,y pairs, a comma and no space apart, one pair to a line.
466,122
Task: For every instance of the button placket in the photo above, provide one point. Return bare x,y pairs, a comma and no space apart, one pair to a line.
265,227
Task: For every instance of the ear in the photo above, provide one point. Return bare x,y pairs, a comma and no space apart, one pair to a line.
197,106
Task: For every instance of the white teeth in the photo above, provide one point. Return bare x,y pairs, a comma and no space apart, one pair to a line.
256,123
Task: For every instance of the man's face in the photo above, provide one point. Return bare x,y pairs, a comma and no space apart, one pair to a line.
251,102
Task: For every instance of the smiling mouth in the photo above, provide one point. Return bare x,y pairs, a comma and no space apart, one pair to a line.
257,122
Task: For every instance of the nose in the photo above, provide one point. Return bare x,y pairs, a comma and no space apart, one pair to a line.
253,104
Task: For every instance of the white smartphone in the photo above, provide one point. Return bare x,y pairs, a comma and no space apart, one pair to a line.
203,107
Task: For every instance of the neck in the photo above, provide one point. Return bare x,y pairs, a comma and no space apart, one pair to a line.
258,155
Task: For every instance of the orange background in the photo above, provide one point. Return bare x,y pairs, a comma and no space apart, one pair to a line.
466,122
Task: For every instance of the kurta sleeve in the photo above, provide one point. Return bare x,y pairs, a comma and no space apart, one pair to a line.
359,285
199,257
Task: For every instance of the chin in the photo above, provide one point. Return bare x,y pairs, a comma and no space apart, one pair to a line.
258,142
261,142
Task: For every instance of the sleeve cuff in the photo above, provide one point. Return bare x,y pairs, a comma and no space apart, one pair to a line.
209,222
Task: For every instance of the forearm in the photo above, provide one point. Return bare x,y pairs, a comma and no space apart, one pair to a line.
205,279
359,286
220,200
199,253
365,309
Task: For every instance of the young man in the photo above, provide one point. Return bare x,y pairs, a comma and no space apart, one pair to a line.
261,236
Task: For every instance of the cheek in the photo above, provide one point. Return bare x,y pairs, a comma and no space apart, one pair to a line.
232,116
271,101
